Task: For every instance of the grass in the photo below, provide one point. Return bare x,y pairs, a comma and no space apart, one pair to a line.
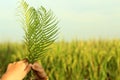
75,60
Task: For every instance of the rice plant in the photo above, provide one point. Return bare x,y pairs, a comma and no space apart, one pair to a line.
77,60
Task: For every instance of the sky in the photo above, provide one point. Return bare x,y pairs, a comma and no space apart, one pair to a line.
78,19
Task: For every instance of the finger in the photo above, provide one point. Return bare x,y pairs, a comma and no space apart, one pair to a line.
40,76
28,68
14,62
9,66
37,67
23,64
36,64
39,71
24,60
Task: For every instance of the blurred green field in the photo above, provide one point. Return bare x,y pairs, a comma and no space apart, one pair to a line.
74,60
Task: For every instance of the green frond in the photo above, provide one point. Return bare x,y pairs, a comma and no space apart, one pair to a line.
41,30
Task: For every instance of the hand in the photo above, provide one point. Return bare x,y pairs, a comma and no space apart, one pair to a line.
17,70
39,72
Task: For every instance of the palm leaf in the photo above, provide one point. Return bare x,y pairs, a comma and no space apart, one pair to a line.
41,30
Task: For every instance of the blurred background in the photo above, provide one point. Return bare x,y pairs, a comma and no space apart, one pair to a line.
79,19
89,32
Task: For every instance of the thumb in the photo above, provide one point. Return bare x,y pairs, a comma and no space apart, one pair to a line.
37,67
28,68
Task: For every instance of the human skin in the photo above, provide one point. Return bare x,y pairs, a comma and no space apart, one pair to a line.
39,72
17,70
